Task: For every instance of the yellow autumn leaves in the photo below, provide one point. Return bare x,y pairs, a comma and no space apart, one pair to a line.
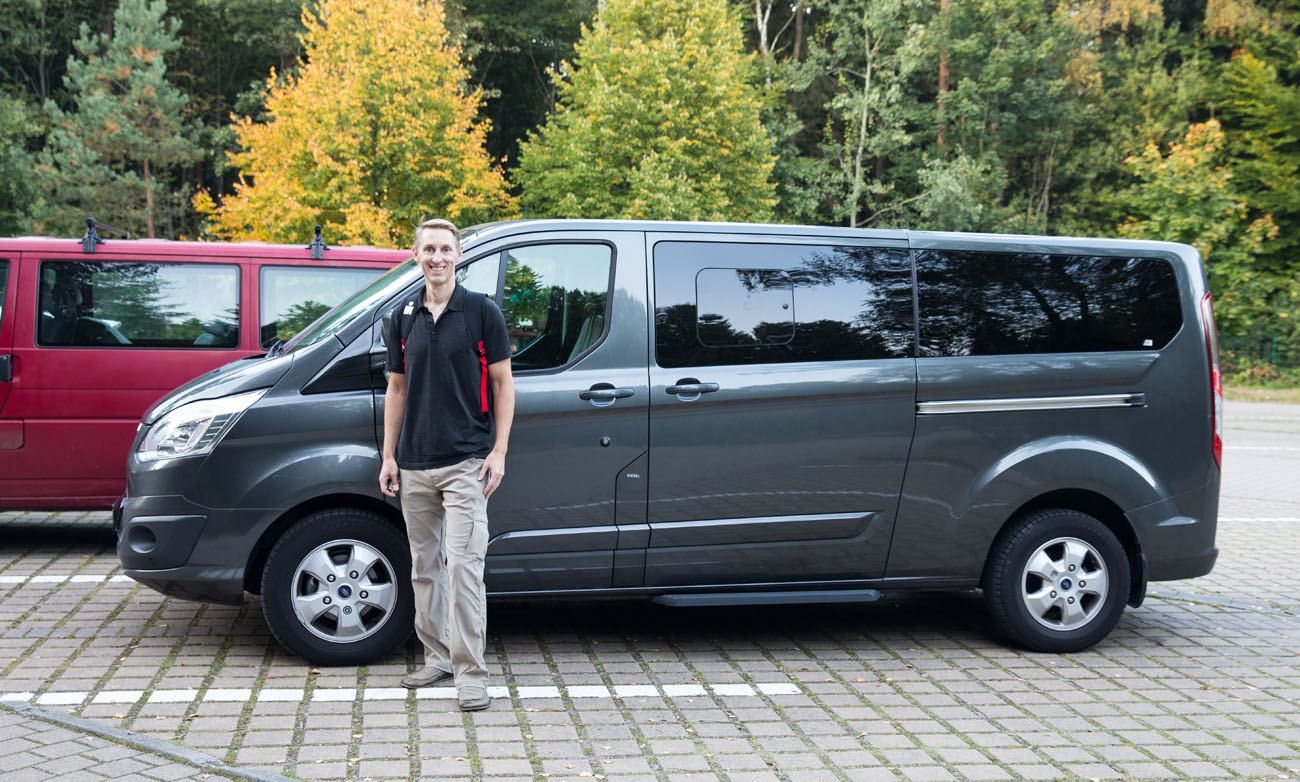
373,133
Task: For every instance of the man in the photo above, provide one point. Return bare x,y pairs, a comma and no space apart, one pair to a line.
445,442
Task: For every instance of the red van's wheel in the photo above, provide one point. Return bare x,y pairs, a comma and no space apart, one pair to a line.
337,588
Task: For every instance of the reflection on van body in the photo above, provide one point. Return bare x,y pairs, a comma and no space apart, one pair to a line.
731,414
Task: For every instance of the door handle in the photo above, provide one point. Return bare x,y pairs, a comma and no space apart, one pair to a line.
604,394
7,368
688,389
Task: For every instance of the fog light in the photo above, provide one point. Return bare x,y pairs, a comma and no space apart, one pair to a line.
141,539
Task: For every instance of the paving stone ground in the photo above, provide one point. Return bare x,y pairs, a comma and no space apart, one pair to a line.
1201,682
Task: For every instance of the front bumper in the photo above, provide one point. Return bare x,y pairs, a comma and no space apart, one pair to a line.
201,583
159,545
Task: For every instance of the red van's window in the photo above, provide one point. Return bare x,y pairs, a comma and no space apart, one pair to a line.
149,305
294,296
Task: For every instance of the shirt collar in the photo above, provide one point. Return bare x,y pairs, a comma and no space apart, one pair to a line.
455,304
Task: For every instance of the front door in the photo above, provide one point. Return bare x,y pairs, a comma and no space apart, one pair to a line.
782,403
575,308
102,338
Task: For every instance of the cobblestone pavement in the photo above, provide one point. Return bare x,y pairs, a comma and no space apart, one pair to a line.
1202,682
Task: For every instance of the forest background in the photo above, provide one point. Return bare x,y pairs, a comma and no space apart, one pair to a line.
255,119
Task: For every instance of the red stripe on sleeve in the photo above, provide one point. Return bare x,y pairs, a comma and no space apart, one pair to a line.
483,378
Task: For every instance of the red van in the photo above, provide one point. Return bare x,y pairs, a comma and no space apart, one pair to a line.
93,332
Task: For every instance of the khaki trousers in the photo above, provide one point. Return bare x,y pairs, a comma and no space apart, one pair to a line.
446,523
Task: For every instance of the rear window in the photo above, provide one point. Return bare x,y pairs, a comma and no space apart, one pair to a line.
292,297
985,304
106,304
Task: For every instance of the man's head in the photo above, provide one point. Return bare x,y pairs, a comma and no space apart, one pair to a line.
437,249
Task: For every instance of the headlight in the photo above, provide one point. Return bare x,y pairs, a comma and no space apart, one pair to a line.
196,428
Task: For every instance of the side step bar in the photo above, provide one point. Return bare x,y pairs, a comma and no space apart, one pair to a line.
768,598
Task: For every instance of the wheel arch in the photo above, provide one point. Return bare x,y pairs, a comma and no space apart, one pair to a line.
262,549
1101,508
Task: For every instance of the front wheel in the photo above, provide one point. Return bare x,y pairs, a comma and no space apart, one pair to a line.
1057,581
337,588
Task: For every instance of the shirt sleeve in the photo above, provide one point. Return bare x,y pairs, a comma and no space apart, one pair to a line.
496,341
396,359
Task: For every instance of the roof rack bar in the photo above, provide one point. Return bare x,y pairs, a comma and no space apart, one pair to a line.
92,239
317,246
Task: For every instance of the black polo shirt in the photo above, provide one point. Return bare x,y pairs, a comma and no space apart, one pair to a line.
448,396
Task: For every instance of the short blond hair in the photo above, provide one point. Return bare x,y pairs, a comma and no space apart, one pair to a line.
437,223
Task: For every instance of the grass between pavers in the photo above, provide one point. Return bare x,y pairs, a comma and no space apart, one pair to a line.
1256,394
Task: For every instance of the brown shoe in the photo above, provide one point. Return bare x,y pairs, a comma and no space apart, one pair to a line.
426,677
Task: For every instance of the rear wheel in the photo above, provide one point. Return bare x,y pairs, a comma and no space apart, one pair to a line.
1057,581
337,588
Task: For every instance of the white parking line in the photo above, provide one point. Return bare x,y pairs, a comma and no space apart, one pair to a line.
349,694
1259,518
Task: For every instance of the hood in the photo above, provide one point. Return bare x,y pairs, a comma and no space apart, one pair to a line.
247,374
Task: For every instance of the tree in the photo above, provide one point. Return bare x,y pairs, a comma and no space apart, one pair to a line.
515,44
1188,195
658,118
17,127
374,133
114,154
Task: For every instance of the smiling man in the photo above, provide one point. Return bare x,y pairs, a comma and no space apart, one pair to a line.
447,416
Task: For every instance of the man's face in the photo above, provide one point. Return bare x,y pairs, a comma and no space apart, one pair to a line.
437,251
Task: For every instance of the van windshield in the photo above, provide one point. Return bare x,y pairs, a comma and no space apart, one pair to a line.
381,288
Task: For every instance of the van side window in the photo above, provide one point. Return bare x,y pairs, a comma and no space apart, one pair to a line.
721,303
481,275
555,302
149,305
984,304
4,280
294,296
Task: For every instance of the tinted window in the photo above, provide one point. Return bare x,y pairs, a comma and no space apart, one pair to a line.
4,280
294,296
153,305
555,301
981,304
773,303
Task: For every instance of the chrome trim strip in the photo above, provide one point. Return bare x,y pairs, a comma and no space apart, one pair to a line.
1026,404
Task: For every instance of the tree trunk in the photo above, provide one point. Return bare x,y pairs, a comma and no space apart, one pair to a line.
799,11
858,154
148,201
943,69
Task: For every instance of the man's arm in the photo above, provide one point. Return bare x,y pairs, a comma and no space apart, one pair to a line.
394,412
503,415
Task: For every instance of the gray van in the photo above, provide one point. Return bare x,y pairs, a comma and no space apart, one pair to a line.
723,414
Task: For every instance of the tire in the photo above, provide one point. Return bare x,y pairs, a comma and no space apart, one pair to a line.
1056,581
349,620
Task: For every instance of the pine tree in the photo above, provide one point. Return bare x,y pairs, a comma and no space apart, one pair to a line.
658,118
116,153
372,134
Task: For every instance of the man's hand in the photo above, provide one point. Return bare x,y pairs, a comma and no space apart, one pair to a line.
390,478
494,469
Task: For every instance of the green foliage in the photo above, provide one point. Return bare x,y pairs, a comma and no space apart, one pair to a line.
1263,117
114,154
658,118
1188,195
514,43
18,126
